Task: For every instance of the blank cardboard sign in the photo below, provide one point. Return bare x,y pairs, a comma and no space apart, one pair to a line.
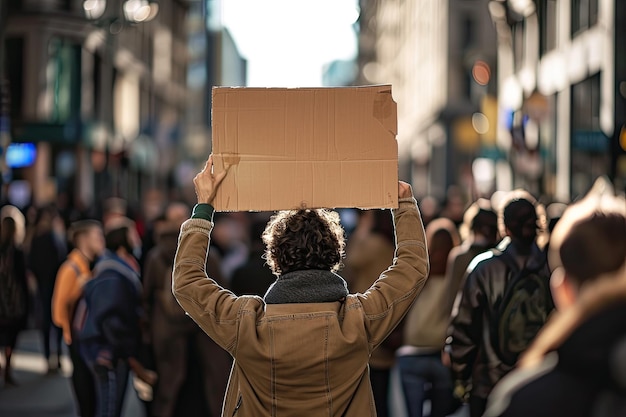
290,148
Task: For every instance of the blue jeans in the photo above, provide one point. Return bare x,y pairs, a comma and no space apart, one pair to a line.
110,385
422,377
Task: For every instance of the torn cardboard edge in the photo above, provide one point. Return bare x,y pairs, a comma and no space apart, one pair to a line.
290,148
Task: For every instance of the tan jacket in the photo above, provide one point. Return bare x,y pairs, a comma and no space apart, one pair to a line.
67,290
301,359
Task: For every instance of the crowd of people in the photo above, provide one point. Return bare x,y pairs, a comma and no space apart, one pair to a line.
497,303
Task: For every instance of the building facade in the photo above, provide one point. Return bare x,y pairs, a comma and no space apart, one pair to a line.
562,88
439,57
216,61
101,97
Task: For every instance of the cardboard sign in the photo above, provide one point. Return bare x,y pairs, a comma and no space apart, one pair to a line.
291,148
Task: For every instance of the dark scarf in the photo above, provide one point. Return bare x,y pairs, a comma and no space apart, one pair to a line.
310,286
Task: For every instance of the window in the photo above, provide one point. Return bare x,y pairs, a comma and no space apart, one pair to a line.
586,104
518,44
467,32
14,70
547,14
65,60
584,15
589,145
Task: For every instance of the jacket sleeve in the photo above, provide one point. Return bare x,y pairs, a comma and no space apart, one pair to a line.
62,299
467,326
215,309
392,294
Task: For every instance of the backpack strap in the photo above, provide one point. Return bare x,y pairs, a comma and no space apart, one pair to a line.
110,264
72,263
508,260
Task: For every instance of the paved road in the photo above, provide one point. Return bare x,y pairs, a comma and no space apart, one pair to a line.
42,395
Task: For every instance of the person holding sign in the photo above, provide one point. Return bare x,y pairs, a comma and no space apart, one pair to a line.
305,345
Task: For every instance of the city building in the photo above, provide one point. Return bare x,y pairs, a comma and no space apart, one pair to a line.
214,61
99,88
440,57
562,92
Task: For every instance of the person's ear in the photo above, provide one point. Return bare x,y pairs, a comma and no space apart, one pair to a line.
564,292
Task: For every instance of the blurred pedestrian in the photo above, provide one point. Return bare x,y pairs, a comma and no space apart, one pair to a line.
369,252
177,343
48,250
110,334
230,242
476,362
304,348
253,277
577,365
13,293
479,232
422,372
87,239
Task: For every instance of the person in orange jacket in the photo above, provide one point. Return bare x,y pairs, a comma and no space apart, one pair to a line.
87,238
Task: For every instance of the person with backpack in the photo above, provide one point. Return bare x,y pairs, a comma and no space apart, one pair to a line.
108,319
503,303
576,366
87,238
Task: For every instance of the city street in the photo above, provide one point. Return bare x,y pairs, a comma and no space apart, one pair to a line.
41,395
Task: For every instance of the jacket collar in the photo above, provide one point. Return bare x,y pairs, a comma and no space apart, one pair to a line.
309,286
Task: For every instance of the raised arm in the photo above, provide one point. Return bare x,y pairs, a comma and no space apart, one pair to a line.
212,307
390,297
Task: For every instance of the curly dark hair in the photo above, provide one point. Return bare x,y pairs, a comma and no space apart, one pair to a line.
304,239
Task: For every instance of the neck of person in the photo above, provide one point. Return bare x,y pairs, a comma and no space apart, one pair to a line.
85,253
522,247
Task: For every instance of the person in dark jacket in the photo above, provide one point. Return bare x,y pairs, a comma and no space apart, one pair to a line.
178,345
253,277
47,252
110,334
13,293
576,366
475,365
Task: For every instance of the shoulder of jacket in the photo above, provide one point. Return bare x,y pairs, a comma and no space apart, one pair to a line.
479,261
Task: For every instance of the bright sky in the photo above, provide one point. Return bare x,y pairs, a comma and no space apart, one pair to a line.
287,42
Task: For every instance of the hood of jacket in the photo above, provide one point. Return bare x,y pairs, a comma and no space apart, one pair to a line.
111,261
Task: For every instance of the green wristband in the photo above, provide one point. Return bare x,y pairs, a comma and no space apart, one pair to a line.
203,211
